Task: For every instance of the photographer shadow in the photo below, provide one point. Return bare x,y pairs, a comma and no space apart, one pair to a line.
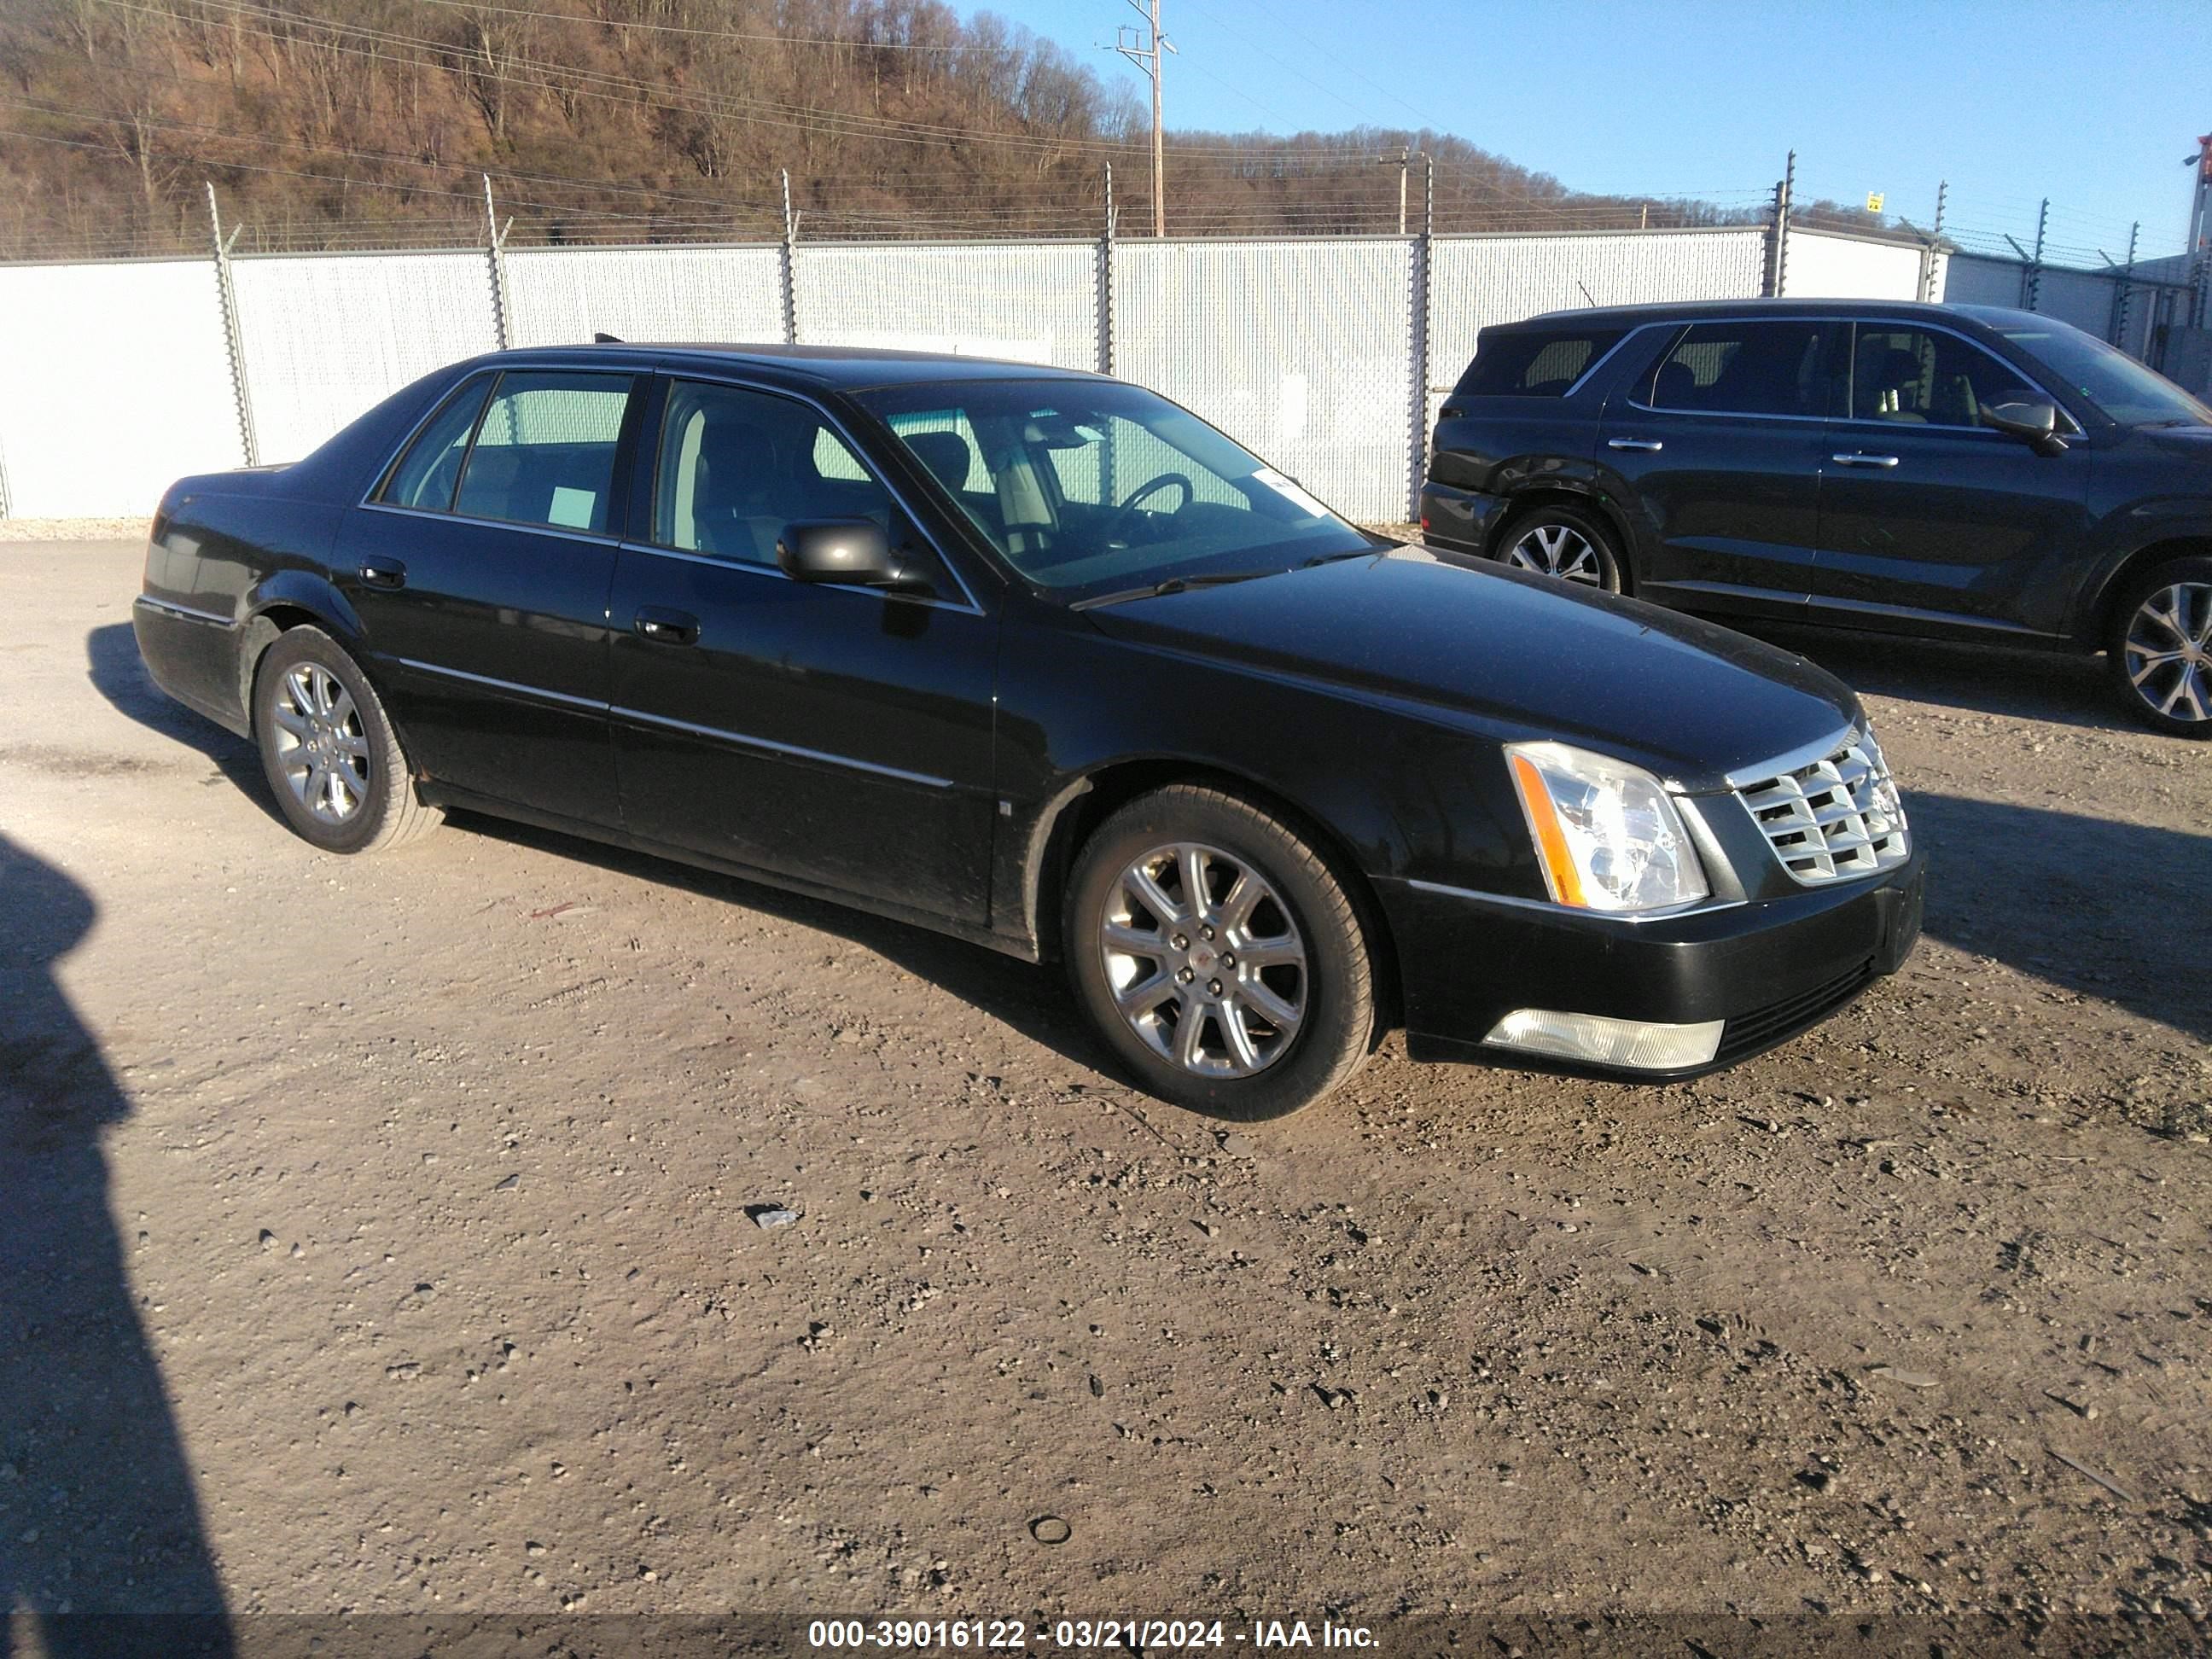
102,1551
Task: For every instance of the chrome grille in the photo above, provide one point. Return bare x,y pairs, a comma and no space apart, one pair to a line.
1835,820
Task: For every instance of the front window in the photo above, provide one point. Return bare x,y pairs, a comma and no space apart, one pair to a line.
1091,487
2123,388
1910,376
736,465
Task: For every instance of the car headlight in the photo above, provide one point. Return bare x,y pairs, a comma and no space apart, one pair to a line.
1886,796
1606,836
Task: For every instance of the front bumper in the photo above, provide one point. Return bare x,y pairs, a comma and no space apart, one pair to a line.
1768,969
1459,521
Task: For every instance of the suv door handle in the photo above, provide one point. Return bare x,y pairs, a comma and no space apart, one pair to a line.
1648,446
383,573
1864,460
667,627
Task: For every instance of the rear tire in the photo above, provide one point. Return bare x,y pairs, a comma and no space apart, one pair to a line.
2160,648
329,751
1163,899
1564,542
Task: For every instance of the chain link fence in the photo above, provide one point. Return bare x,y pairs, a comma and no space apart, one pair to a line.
1328,355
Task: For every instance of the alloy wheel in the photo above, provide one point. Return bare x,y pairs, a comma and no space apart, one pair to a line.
2168,651
1205,961
321,748
1558,550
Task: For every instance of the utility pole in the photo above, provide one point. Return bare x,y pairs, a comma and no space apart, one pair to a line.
790,265
2124,295
2031,278
1778,256
495,257
1930,244
1106,299
249,443
1147,57
2200,234
1403,160
2200,207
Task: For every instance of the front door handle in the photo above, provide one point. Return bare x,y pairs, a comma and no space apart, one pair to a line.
1864,460
383,573
667,627
1648,446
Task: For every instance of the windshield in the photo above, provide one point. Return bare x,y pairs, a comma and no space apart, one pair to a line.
2119,385
1092,486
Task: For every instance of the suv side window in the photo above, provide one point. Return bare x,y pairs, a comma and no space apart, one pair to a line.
544,450
427,474
1925,377
736,466
1780,368
1533,362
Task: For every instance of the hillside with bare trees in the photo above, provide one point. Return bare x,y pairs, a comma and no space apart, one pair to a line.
350,122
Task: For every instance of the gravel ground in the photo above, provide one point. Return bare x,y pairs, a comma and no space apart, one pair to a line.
379,1237
72,530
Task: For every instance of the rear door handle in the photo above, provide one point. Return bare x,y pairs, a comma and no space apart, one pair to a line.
383,573
1648,446
667,627
1864,460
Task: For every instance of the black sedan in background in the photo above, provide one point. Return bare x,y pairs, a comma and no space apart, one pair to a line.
1041,660
1957,471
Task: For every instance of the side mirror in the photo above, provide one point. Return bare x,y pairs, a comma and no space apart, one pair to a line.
2034,423
853,550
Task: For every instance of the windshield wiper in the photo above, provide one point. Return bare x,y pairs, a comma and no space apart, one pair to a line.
1332,559
1177,584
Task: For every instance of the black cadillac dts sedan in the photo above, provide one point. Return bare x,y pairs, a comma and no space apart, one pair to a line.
1040,660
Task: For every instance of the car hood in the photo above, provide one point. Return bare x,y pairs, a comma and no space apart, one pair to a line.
2194,441
1524,656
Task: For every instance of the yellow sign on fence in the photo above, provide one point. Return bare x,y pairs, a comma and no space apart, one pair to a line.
1874,201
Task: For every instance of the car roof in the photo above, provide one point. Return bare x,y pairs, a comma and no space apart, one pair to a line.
1690,311
847,368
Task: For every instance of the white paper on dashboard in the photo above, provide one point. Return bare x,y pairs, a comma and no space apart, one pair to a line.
1290,491
572,508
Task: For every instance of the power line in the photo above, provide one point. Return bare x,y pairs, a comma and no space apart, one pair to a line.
726,34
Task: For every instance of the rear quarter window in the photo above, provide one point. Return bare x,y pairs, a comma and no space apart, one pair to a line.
1533,362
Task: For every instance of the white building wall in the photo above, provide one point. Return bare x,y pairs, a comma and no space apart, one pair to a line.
114,382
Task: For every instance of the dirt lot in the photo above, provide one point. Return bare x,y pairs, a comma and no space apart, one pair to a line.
375,1235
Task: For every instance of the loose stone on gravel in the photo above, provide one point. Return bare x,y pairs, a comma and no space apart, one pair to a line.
1903,1379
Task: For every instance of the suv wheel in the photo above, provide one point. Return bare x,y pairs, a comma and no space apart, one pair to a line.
1218,956
2161,648
1562,541
328,749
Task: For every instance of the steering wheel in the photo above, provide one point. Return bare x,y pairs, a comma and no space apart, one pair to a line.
1126,510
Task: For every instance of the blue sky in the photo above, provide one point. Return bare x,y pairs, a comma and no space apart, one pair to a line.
2092,103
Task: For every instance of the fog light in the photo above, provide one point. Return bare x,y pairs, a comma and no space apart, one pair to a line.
1640,1044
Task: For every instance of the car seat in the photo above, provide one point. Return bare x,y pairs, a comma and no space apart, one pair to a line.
1897,386
946,454
1677,387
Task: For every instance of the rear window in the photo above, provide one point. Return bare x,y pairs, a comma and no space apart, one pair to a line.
1533,362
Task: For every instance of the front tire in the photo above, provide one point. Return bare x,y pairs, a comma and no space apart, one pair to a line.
2160,648
328,749
1217,954
1562,541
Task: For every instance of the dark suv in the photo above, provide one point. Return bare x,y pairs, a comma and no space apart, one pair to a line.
1949,470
